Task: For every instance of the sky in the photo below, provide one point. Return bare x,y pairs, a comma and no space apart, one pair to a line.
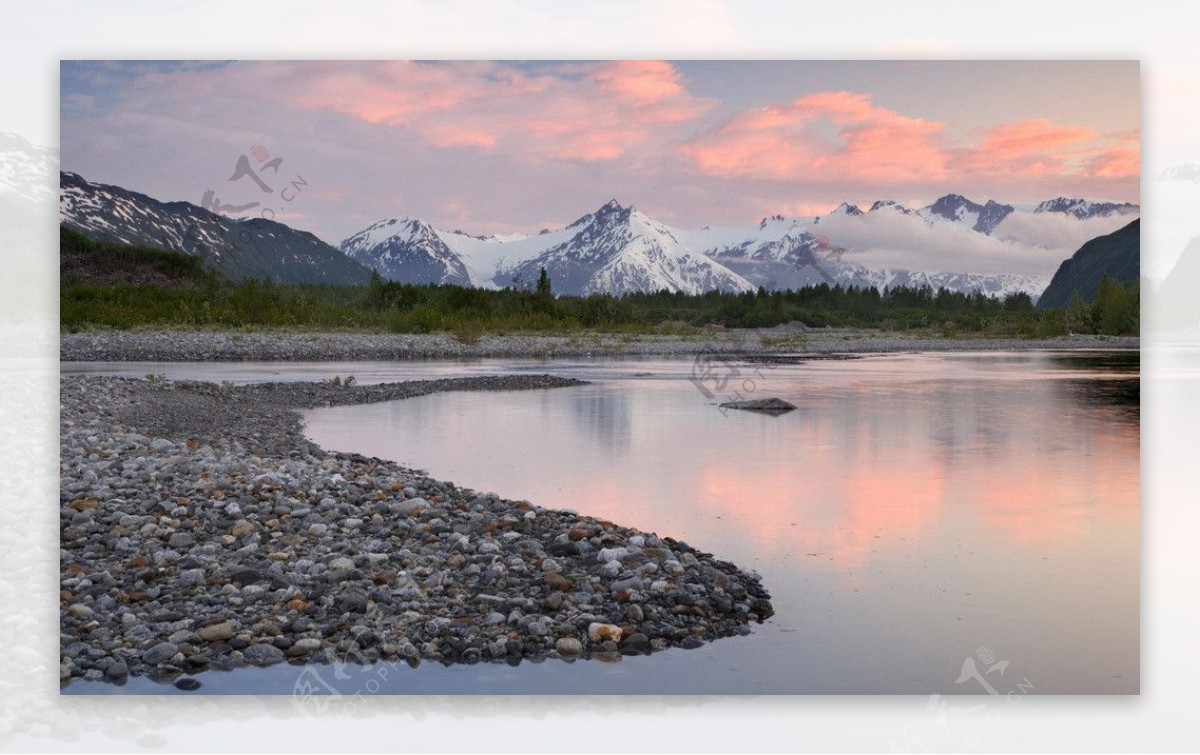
509,146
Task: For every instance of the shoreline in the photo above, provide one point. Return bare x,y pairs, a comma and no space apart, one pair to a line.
200,529
199,346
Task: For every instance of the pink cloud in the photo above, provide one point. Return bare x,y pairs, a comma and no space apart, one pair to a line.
450,135
1122,160
645,80
1033,136
843,138
393,92
519,143
824,137
585,112
1036,147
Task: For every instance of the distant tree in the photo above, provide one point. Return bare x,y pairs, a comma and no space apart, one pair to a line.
1079,315
543,285
1018,302
375,290
1114,311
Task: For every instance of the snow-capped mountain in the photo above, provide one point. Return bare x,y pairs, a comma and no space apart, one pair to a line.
954,243
26,172
237,247
784,253
890,205
1088,208
992,214
781,253
406,249
844,210
954,208
618,249
615,250
1182,172
958,210
994,284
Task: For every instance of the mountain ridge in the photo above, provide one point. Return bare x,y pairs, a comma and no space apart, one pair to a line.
238,248
584,256
615,249
1116,255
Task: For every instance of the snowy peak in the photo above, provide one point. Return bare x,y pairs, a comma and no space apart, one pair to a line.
407,229
890,205
845,209
1182,172
618,250
955,208
771,220
407,249
793,260
26,172
610,212
991,215
1087,208
958,210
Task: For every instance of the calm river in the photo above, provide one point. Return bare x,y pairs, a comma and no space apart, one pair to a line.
924,522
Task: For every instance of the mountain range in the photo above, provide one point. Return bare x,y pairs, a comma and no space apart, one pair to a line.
238,248
616,249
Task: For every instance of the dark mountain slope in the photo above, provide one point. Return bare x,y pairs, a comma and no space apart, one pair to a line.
1117,255
238,248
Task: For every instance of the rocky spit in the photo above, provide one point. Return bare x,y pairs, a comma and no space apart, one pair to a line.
196,346
201,530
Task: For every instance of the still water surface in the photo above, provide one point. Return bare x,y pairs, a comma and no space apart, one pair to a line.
915,512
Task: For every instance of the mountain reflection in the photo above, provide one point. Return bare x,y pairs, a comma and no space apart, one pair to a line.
883,457
606,417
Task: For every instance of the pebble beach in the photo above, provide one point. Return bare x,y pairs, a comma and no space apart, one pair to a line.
201,530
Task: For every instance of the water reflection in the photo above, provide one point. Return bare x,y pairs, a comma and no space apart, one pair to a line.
608,417
926,500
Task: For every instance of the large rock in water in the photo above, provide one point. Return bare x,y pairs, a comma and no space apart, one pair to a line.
1117,255
765,405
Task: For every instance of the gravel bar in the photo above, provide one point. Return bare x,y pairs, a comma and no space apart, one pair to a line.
193,346
201,530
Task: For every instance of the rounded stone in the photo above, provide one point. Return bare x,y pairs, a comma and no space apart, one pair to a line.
262,654
568,646
160,653
216,632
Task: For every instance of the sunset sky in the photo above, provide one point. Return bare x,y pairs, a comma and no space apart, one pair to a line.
518,146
